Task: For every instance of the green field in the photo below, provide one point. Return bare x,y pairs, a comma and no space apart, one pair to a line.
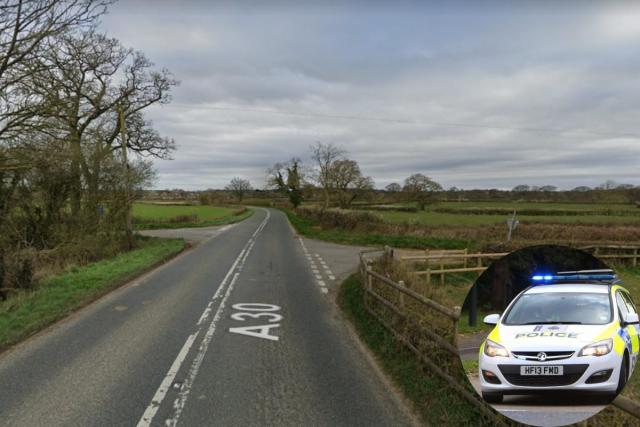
540,205
148,215
470,213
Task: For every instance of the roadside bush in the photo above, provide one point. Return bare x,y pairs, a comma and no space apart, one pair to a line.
183,218
238,212
18,270
337,218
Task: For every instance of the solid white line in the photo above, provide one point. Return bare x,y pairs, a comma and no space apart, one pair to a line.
160,394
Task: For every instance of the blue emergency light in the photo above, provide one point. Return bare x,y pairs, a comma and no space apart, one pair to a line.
573,276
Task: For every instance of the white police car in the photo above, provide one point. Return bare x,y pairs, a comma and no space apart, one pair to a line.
573,331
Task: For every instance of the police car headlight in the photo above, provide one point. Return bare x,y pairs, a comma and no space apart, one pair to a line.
599,348
493,349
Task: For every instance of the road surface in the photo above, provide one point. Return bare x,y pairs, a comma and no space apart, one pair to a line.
546,411
239,331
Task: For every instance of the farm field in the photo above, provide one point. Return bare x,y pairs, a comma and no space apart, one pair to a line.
148,215
540,205
472,213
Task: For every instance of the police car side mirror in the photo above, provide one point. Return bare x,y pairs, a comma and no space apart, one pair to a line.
629,318
493,319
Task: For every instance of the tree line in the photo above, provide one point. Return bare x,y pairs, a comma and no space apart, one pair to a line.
75,145
339,179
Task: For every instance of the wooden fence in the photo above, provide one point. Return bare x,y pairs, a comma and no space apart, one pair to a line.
412,318
443,262
615,254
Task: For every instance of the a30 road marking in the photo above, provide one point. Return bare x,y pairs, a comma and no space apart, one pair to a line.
156,401
255,311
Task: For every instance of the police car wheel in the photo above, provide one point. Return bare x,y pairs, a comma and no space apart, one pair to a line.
624,374
490,397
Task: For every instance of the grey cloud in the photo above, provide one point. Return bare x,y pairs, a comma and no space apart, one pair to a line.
503,65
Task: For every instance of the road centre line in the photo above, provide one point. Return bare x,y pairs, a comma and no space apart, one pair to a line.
156,401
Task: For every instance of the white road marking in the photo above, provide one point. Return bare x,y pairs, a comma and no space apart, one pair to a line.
314,267
332,277
156,401
151,410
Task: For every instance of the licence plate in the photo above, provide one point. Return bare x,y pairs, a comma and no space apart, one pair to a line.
541,370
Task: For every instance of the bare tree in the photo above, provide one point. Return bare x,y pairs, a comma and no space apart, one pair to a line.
26,27
394,187
239,187
324,157
288,179
521,188
93,79
420,188
348,182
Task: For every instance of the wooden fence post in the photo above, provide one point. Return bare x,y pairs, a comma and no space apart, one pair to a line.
369,280
401,294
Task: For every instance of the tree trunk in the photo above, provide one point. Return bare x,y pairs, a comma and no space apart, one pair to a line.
76,176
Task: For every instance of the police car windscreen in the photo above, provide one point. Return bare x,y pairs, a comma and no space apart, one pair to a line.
560,308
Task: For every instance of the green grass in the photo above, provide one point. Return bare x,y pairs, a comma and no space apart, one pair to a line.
57,296
430,396
465,328
470,366
429,217
309,228
152,216
541,205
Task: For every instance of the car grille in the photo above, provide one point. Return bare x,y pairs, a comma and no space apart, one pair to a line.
552,356
572,373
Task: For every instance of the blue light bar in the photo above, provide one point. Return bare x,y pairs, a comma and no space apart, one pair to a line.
539,278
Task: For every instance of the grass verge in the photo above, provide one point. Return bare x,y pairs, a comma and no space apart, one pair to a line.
430,396
56,297
309,228
223,220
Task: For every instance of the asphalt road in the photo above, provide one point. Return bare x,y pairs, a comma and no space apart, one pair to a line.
546,411
237,331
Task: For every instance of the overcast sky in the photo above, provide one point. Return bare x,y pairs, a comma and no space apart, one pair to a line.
474,96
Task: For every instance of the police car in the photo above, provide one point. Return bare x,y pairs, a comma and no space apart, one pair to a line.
573,331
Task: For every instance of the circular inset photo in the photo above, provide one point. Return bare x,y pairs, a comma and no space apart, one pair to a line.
549,335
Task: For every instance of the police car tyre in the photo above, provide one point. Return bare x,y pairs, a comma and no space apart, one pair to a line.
490,397
624,374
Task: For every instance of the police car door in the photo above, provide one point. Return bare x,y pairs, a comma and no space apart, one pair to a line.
630,332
